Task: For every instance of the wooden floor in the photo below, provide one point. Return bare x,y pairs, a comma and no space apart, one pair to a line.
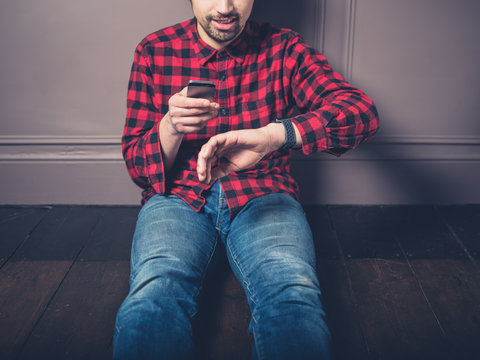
399,282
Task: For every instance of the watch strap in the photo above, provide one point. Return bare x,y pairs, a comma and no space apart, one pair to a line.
290,139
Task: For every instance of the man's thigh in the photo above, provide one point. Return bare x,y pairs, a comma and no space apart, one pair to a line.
270,248
172,243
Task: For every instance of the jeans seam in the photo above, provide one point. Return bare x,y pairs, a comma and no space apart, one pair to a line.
257,343
219,208
252,295
204,273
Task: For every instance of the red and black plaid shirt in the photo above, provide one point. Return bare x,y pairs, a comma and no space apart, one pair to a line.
263,75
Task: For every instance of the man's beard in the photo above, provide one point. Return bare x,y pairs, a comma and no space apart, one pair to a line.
221,35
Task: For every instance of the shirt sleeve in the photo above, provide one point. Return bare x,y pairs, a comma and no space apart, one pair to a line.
141,141
336,117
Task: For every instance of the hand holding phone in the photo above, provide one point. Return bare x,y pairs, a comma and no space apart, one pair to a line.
191,109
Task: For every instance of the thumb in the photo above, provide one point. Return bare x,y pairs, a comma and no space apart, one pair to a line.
183,92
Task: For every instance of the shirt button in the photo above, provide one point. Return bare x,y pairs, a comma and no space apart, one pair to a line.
224,112
223,77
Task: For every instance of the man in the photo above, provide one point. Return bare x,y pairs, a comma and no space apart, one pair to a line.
219,171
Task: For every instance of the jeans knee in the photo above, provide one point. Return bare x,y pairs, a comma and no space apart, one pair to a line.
301,297
147,312
292,325
165,276
149,328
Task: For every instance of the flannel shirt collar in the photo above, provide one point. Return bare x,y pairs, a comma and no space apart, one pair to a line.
236,49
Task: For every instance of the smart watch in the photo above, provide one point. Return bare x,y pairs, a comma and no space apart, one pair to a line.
290,139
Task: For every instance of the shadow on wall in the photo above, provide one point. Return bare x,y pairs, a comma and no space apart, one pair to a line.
283,13
405,172
389,173
410,180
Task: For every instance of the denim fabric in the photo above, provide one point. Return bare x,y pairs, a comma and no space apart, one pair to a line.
270,250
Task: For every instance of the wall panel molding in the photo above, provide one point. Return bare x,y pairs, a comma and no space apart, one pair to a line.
387,170
58,140
409,149
60,148
351,13
320,13
108,148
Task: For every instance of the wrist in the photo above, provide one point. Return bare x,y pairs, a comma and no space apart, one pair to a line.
276,135
168,127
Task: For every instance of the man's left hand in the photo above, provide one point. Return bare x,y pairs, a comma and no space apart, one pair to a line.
240,148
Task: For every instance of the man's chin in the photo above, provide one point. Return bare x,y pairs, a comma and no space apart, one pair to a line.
223,37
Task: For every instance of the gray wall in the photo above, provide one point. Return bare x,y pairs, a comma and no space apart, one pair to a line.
65,66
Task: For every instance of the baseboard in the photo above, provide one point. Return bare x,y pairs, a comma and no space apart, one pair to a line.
107,148
387,170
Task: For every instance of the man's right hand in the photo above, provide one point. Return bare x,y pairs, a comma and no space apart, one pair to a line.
187,115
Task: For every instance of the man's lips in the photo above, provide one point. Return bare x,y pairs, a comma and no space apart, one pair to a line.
224,23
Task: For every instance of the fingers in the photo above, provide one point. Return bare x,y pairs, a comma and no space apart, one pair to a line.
193,112
196,121
182,100
180,105
208,174
209,154
206,157
188,115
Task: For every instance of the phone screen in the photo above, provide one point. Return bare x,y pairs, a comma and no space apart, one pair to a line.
201,89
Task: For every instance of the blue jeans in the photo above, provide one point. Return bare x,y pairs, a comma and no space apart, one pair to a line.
270,250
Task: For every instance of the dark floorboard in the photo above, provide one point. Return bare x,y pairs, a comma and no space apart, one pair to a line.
398,282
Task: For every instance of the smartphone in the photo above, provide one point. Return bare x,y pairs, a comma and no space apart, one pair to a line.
201,89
